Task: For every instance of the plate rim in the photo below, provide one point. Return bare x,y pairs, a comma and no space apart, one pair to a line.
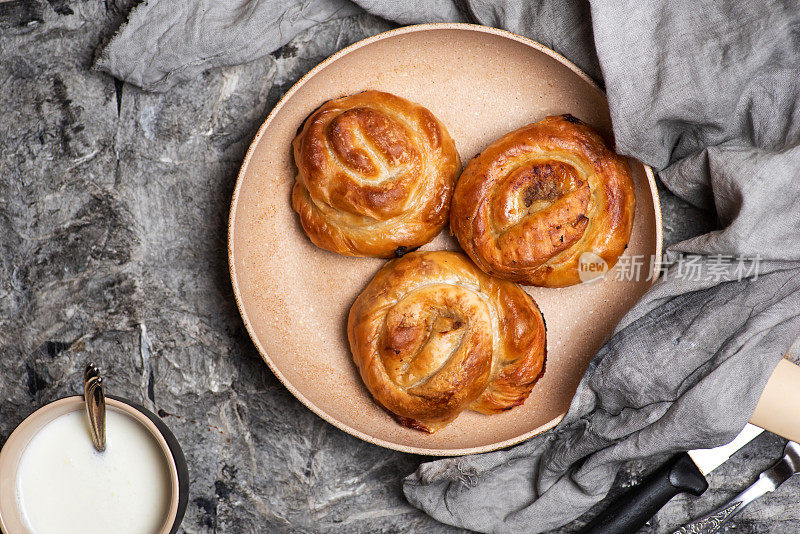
235,198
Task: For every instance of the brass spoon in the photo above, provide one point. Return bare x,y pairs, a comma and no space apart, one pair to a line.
95,405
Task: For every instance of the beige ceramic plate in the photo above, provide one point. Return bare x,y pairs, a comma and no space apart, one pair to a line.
294,297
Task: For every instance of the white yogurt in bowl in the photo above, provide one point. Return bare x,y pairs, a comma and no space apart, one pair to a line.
66,486
52,480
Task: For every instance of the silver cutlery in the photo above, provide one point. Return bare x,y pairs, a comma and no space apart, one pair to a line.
767,482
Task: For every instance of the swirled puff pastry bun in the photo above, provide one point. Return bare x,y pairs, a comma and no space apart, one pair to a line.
529,206
375,175
433,335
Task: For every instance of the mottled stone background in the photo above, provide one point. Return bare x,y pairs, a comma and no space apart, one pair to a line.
113,208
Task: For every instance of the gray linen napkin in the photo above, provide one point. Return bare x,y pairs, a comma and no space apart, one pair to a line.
706,92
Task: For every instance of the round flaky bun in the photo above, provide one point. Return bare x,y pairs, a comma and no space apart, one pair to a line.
375,175
544,202
433,335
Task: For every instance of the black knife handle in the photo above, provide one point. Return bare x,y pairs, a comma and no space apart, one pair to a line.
633,509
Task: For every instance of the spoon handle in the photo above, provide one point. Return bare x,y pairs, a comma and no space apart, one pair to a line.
95,406
90,371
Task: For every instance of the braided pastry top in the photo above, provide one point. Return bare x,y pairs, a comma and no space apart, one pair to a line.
432,335
375,174
535,200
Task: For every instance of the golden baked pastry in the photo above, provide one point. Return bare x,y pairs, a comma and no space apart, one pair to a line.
529,206
432,336
375,175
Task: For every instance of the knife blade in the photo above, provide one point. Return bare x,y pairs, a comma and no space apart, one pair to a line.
709,459
683,473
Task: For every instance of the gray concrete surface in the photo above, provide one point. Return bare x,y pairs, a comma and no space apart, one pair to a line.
113,207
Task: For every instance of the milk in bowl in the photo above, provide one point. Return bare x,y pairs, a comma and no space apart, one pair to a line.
63,485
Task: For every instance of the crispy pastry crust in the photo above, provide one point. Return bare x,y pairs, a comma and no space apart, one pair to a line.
375,174
432,336
535,200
